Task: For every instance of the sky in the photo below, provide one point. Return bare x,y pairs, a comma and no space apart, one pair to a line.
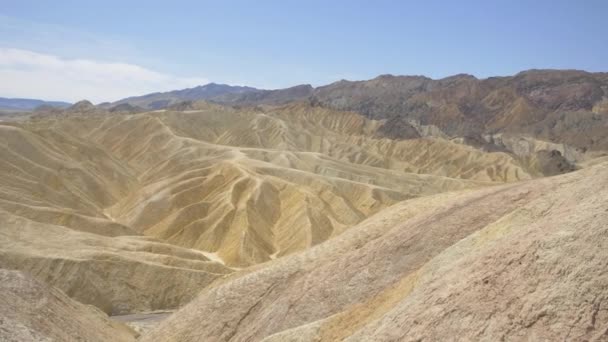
107,50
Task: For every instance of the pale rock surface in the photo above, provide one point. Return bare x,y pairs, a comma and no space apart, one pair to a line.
245,185
524,261
116,274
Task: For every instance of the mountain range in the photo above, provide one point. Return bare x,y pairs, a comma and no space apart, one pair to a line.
17,104
546,104
166,99
400,208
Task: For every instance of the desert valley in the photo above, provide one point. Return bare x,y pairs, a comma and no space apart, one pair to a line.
397,208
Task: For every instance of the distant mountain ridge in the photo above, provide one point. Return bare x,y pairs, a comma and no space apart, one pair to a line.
166,99
19,104
566,106
260,96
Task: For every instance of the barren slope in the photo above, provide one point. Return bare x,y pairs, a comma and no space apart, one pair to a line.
53,191
32,311
117,274
518,261
97,203
247,185
140,212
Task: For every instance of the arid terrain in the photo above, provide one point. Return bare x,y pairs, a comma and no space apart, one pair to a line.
396,209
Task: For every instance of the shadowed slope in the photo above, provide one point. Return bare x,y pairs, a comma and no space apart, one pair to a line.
32,311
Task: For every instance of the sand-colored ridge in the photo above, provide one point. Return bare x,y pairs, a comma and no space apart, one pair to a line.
248,184
121,274
139,212
430,268
301,223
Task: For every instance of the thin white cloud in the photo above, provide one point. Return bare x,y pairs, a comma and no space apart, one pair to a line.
30,74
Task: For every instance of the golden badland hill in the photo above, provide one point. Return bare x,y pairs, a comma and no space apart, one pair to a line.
295,223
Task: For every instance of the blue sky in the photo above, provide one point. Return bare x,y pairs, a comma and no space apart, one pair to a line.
105,50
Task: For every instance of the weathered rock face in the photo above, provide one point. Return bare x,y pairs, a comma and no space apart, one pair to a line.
32,311
398,128
553,163
520,261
